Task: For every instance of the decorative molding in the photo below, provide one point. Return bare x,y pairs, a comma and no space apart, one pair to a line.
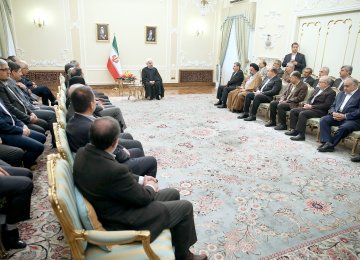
196,76
195,63
64,58
301,12
317,23
357,37
48,78
276,33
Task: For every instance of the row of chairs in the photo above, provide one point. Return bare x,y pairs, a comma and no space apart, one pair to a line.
86,236
313,123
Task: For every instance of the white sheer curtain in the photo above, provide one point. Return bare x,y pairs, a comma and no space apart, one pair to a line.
7,46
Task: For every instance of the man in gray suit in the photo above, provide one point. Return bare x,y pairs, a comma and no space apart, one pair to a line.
123,201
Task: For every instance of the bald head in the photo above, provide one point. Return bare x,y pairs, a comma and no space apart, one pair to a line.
104,132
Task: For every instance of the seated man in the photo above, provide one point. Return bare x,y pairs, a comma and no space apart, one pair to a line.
277,65
293,95
324,71
77,131
307,78
16,187
344,113
121,201
236,79
270,87
345,73
42,91
152,81
317,106
115,112
288,70
13,132
236,97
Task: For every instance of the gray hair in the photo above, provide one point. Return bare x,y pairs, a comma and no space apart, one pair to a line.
348,68
3,62
354,81
289,64
327,79
237,64
326,69
149,60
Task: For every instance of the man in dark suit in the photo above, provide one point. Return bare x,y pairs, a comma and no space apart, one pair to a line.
122,201
13,132
152,81
11,154
16,187
317,106
345,73
295,57
324,71
344,113
42,91
236,79
293,95
77,131
307,78
270,87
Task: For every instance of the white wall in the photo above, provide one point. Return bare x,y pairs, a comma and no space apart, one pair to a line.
71,28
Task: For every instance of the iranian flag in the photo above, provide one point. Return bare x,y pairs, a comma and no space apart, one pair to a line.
113,63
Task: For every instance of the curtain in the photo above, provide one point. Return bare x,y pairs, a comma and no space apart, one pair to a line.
226,30
7,46
242,32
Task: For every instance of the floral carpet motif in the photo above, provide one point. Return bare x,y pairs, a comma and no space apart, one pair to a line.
256,194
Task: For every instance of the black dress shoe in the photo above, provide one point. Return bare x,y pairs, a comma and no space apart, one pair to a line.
55,103
158,97
250,118
270,123
243,116
12,240
292,132
299,137
321,146
281,127
355,159
326,148
218,103
222,106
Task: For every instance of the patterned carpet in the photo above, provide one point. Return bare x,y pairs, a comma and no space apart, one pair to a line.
256,194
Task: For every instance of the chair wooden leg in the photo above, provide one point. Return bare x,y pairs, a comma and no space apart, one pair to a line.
354,148
318,135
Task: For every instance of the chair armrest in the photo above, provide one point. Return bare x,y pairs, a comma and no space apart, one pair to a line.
114,237
121,237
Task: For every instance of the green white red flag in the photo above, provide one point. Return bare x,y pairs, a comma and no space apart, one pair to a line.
113,63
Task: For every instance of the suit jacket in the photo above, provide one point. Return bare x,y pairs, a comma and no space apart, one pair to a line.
295,97
13,104
300,58
145,77
272,88
77,132
309,80
323,101
6,123
337,84
236,79
352,107
119,201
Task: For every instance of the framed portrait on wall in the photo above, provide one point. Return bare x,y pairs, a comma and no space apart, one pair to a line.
150,34
102,32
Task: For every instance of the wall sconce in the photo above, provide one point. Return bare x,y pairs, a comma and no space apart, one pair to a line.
199,32
268,41
39,21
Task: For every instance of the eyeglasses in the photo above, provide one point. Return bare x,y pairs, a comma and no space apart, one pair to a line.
6,69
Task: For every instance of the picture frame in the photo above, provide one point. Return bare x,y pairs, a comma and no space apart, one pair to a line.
102,32
151,34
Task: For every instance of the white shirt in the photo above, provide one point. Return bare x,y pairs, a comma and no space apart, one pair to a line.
293,55
348,96
265,85
317,94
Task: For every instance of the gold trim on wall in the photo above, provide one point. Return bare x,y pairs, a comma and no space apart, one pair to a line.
357,37
318,38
